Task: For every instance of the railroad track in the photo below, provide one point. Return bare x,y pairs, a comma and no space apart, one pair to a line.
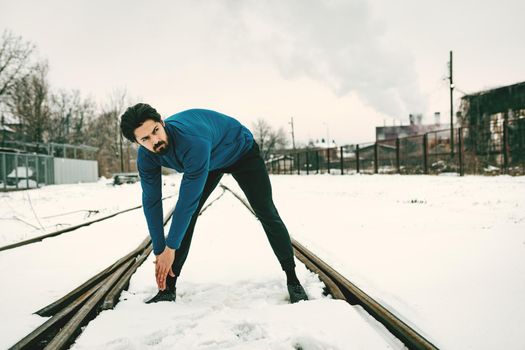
71,312
69,229
341,288
101,292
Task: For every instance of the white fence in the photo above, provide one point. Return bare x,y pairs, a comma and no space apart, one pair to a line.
22,171
69,171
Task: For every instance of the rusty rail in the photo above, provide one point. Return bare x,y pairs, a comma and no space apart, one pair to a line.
69,229
341,288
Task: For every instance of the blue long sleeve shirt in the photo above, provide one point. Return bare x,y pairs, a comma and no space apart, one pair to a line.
199,141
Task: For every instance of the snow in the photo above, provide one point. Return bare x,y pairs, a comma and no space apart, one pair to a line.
37,274
446,254
230,296
26,214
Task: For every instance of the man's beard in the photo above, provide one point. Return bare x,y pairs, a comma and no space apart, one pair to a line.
162,151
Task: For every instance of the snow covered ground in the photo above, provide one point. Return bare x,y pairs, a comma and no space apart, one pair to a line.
237,298
26,214
232,296
446,254
37,274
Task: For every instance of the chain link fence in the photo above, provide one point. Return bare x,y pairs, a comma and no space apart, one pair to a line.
23,171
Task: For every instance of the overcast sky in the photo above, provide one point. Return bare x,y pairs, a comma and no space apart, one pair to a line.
337,67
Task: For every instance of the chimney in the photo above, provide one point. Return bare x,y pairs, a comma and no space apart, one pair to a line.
437,118
412,119
419,119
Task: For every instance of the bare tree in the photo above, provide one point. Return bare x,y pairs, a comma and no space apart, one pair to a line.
15,55
104,132
28,101
81,116
115,107
100,134
70,116
269,140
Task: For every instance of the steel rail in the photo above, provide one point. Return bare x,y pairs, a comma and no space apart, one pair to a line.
69,229
76,308
341,288
112,298
102,291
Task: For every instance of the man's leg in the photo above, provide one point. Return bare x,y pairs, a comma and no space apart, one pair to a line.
251,175
214,177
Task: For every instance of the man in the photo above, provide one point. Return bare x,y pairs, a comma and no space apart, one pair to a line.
203,145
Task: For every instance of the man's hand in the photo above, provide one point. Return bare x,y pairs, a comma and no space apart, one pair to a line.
163,266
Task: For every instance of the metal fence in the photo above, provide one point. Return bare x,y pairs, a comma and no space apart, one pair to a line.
60,150
498,148
23,171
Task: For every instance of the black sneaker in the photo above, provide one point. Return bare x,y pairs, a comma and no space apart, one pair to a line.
297,293
164,295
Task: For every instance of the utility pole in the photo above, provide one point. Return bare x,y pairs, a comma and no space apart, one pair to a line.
3,131
119,144
121,151
129,160
293,136
66,131
451,107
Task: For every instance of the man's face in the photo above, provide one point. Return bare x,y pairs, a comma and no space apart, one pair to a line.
152,135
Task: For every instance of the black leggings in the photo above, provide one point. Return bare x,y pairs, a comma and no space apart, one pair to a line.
251,175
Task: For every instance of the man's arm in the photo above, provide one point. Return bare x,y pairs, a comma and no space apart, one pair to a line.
151,182
196,166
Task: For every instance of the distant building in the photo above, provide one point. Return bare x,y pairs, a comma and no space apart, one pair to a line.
6,134
494,123
8,122
416,127
321,143
280,163
485,108
7,129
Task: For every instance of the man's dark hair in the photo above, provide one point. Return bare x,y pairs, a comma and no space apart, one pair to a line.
134,117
